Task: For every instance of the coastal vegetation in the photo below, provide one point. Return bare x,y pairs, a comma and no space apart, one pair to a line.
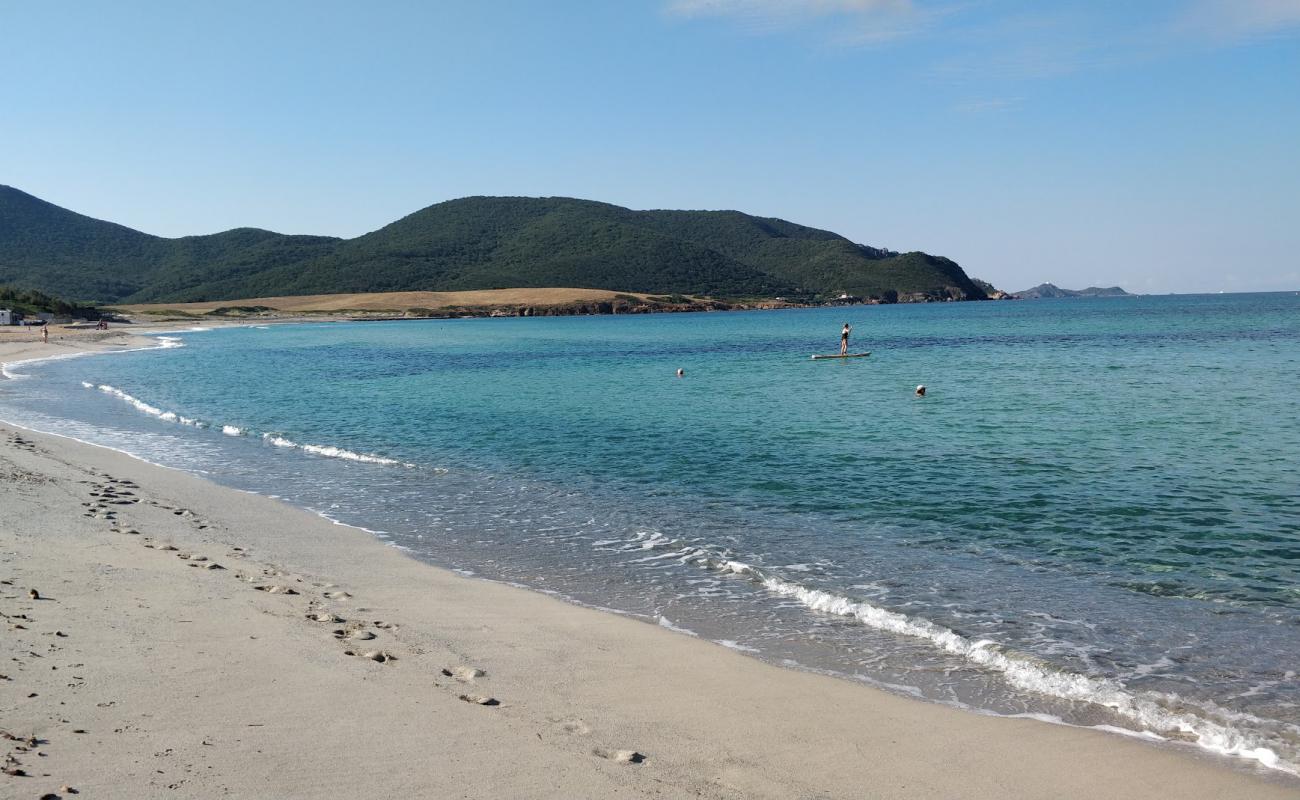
30,303
469,244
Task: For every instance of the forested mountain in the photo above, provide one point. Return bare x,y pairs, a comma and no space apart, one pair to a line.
471,243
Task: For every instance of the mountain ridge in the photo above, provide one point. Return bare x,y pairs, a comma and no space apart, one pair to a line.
469,243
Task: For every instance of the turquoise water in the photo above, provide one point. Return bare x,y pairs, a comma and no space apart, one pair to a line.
1093,515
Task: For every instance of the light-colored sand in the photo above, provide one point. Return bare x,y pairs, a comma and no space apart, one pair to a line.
394,301
152,666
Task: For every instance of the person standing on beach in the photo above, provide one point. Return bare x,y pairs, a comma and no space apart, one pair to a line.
45,333
844,339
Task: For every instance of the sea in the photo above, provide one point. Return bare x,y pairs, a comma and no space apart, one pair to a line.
1091,517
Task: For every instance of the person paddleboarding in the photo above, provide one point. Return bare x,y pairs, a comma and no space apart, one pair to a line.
844,339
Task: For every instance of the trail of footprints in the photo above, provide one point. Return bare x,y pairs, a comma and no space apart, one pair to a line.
22,752
108,494
18,442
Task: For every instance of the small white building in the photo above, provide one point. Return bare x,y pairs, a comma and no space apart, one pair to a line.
8,317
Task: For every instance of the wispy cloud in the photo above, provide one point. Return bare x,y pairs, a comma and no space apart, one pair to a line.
986,105
784,8
1232,21
1011,41
855,21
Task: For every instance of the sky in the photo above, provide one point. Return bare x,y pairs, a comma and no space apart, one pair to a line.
1153,144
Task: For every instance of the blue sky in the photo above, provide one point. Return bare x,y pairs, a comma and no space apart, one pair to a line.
1153,144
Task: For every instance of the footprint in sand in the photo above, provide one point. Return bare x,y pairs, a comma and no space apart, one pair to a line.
324,616
276,589
385,626
383,657
463,674
338,595
573,727
355,634
621,756
478,699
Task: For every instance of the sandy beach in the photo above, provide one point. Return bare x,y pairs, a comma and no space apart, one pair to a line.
169,637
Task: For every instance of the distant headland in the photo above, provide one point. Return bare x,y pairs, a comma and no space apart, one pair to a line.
1043,290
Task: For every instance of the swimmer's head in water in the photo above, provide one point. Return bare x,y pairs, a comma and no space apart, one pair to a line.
680,372
920,390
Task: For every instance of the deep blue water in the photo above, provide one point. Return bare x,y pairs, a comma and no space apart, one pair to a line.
1094,514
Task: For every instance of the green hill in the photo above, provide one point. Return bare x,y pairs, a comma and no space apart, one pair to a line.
471,243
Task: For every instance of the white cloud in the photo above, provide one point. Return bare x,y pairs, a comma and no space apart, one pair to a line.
1236,20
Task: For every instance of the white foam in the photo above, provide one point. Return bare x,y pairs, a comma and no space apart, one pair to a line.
329,451
664,622
7,368
140,405
1150,711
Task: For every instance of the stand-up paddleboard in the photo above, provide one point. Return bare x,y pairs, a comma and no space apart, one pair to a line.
846,355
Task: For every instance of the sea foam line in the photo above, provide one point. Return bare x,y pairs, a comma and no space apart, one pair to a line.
7,368
142,406
1024,672
275,439
1153,713
330,451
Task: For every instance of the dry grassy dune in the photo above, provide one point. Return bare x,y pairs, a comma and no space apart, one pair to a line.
393,301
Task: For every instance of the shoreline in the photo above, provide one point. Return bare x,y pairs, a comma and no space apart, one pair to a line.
708,720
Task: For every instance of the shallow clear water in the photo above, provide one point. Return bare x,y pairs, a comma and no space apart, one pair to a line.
1093,515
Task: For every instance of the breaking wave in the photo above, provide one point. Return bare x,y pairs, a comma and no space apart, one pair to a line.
1165,715
329,451
142,406
275,439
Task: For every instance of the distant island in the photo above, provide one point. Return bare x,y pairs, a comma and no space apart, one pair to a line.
1051,290
474,243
